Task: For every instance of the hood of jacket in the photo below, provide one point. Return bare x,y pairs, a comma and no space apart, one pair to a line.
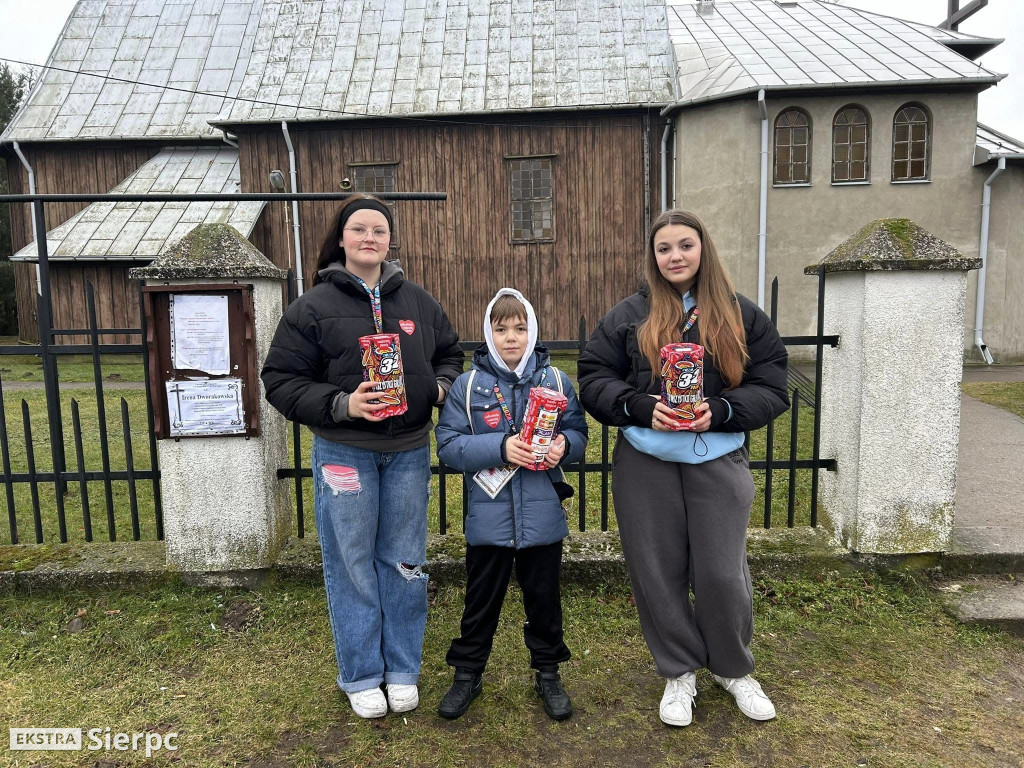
391,276
533,362
531,333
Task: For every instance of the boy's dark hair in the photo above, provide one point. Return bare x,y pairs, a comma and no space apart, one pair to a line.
507,307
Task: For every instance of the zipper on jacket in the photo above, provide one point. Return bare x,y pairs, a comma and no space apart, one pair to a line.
511,490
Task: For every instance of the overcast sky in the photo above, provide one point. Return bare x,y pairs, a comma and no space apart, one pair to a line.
31,28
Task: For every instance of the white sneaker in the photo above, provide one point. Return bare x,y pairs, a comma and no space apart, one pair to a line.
402,698
749,696
677,703
369,703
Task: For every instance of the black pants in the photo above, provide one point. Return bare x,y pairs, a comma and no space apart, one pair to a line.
487,573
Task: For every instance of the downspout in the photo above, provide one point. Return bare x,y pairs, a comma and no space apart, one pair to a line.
762,226
664,164
675,164
979,302
31,191
295,209
228,140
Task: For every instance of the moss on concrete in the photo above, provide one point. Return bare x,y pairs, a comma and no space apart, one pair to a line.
210,250
913,530
25,557
893,244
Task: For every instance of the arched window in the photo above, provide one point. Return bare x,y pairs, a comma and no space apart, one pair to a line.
792,147
851,145
911,143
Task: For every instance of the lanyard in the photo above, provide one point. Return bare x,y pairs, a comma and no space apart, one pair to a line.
505,410
690,321
378,320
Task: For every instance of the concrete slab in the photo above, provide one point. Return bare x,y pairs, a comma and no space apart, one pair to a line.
991,601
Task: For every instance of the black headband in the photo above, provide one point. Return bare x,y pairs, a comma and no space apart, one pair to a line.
372,205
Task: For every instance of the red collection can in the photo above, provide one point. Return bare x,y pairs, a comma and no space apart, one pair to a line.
382,364
543,414
682,379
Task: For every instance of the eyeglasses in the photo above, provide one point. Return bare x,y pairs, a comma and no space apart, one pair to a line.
379,233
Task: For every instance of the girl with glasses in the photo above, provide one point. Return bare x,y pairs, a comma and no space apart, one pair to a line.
371,473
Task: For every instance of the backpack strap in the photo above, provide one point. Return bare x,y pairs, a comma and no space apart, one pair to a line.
469,392
558,379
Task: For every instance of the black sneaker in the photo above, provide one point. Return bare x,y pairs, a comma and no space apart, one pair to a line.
456,701
557,703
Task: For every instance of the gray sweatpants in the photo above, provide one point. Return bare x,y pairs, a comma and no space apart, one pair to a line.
684,526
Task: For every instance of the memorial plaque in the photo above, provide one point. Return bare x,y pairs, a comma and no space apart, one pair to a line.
201,358
205,407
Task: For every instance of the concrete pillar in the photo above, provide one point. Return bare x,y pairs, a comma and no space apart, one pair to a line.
224,508
895,295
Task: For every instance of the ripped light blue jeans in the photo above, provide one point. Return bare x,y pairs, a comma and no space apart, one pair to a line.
371,517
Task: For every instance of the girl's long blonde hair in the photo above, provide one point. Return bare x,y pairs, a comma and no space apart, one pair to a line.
720,324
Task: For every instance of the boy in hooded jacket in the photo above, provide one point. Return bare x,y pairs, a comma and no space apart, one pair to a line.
513,520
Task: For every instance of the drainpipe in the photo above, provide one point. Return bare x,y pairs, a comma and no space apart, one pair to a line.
979,302
762,231
35,224
295,209
675,163
228,139
664,164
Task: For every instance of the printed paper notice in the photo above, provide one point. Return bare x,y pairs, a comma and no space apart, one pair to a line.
205,407
199,333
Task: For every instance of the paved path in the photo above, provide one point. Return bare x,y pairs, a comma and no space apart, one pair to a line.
990,471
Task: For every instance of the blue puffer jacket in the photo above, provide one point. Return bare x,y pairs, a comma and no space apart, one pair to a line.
527,511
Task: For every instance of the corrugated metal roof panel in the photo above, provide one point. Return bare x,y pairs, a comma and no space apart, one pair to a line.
996,143
805,43
133,231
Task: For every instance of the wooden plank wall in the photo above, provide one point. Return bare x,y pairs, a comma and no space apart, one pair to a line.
81,168
460,250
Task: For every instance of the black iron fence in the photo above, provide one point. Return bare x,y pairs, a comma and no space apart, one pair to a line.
77,483
803,389
142,485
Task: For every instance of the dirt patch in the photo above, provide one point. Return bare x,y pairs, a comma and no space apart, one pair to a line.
240,616
326,744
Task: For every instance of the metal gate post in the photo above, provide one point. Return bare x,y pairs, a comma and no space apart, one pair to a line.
50,382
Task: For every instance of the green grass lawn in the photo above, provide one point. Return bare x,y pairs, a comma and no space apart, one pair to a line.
70,368
863,671
1008,395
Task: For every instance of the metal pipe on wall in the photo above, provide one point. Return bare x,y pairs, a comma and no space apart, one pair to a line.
295,209
31,191
979,302
762,226
664,164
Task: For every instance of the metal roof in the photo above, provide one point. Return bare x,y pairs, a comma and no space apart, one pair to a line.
991,145
328,58
197,45
393,57
142,231
746,45
971,46
262,60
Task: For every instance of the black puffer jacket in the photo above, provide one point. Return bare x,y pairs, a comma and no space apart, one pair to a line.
615,377
315,354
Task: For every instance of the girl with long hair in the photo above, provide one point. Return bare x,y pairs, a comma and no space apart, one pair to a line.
371,474
683,496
